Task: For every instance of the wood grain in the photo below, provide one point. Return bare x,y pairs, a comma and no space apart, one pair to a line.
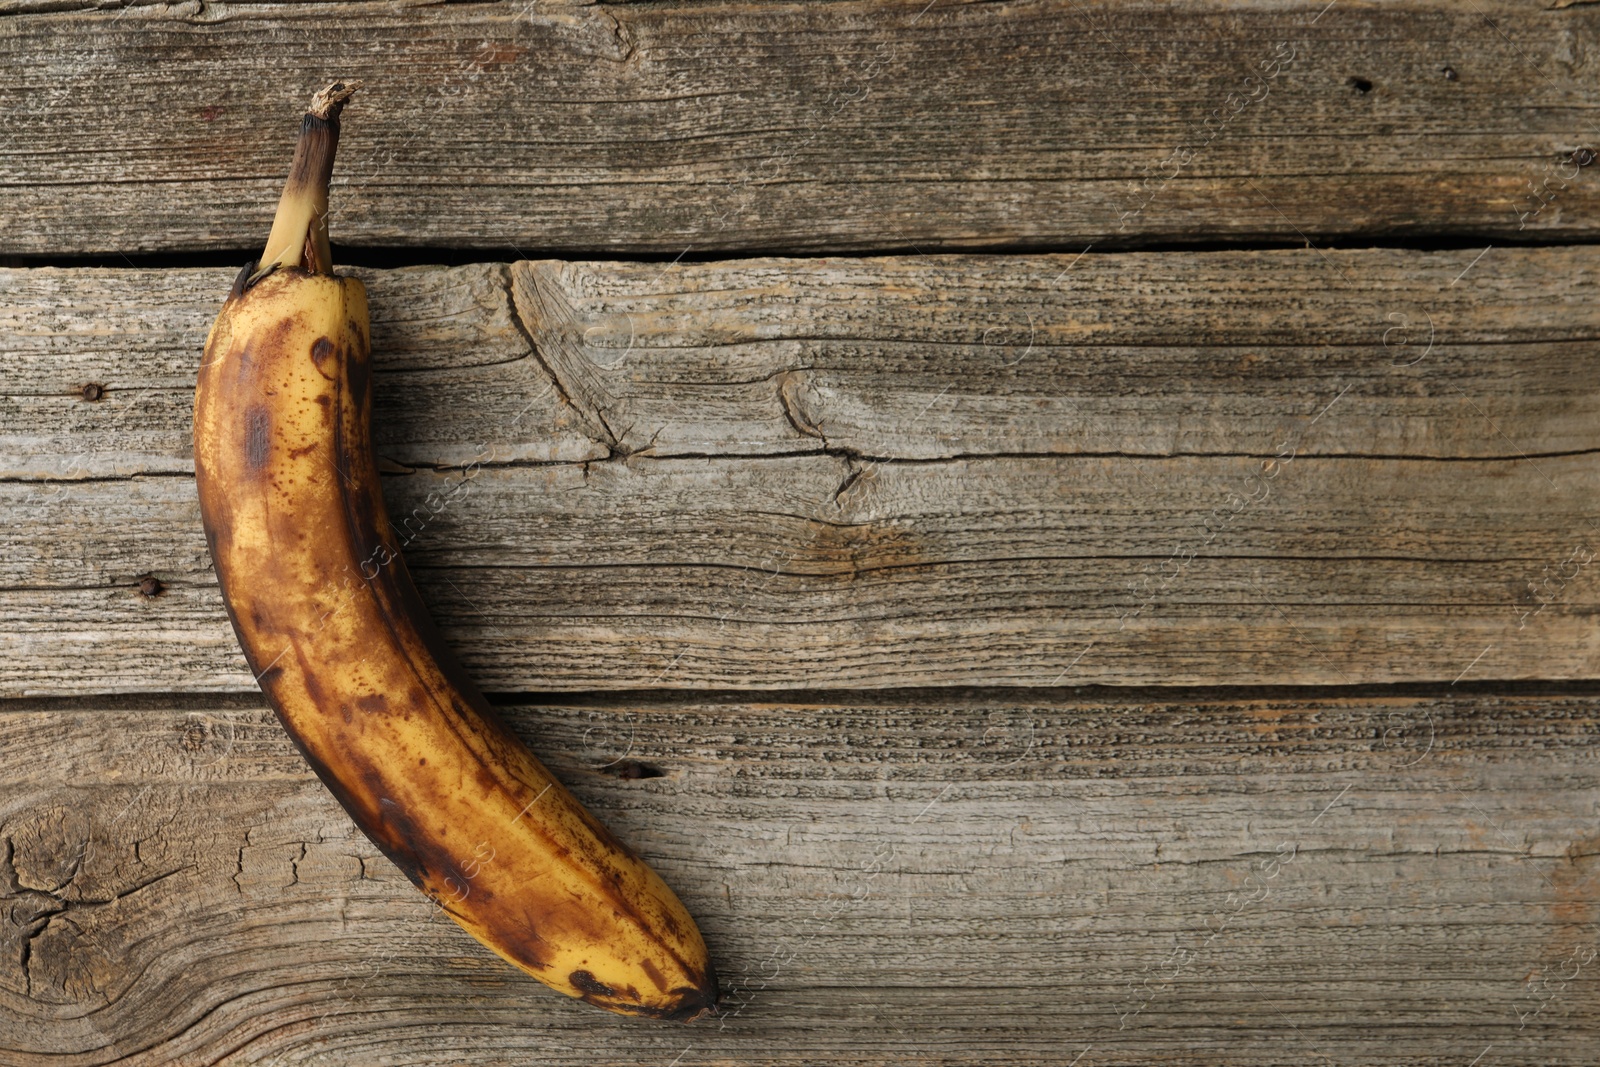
527,128
1259,489
920,357
674,483
690,573
934,878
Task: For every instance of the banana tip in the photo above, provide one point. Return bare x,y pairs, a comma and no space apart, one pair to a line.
695,1010
704,1002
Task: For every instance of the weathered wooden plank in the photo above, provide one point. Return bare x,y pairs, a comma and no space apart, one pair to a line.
1146,354
1014,571
1113,492
846,125
913,358
896,879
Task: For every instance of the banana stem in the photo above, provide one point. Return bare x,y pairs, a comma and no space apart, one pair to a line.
300,229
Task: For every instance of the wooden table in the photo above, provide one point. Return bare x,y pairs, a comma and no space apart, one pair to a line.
1065,530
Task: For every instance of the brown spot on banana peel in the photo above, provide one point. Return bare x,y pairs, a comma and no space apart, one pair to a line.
587,982
444,789
258,437
321,352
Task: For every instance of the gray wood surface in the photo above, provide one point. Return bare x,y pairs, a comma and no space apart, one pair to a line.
1205,468
527,127
935,878
794,567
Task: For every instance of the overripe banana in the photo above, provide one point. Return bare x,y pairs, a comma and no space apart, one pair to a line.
345,652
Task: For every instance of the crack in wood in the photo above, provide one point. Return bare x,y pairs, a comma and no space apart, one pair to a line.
554,308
